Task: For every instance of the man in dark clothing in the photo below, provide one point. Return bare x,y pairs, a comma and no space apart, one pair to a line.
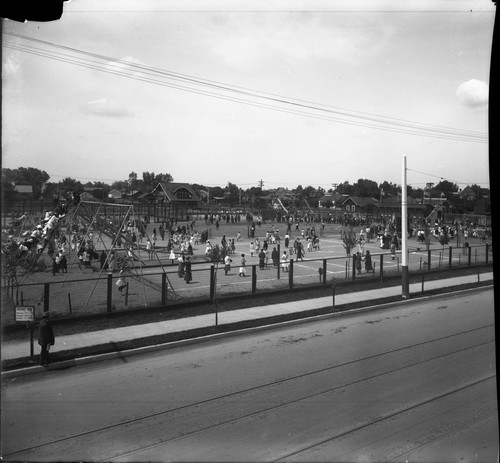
262,259
275,257
45,339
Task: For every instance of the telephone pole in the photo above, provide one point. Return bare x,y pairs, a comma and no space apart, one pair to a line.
261,184
404,226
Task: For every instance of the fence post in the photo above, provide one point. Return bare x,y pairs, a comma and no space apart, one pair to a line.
449,256
46,297
290,274
487,251
254,278
422,282
353,267
164,288
381,267
109,293
324,271
469,255
126,294
279,261
428,259
212,282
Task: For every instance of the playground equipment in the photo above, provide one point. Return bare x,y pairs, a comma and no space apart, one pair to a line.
435,214
308,206
116,225
43,234
282,206
81,225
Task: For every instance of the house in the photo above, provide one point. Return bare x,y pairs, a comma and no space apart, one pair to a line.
468,194
361,207
115,194
330,200
91,193
172,201
356,205
24,191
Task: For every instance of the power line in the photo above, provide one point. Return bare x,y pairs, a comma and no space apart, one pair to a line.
444,179
241,94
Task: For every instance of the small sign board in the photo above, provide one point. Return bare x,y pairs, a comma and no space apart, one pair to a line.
25,314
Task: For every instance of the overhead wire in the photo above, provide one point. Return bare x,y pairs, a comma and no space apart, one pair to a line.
239,94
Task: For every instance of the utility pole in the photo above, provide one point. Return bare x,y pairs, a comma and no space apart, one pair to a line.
261,184
334,186
404,226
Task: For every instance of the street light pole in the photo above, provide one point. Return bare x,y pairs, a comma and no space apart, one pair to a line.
404,234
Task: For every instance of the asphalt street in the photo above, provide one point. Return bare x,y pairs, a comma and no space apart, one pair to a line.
415,381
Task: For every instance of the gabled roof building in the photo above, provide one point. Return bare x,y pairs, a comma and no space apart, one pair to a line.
173,201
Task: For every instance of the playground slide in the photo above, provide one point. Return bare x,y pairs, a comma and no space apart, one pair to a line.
281,204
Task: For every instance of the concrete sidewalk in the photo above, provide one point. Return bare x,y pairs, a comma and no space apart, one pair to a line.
18,350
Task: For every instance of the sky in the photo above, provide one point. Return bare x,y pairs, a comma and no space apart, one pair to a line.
285,93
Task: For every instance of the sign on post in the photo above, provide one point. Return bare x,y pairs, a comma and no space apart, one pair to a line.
25,314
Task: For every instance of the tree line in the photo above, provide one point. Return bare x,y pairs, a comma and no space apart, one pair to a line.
256,195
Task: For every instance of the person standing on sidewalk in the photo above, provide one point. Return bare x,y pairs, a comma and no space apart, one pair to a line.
45,339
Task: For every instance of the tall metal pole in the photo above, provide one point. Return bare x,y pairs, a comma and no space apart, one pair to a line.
404,234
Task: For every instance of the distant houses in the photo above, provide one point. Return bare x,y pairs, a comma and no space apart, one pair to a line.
176,200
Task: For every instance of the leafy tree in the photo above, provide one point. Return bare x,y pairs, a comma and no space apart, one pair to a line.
233,193
69,184
27,176
366,188
308,193
151,179
133,181
8,192
477,190
447,188
16,265
298,192
216,191
163,178
119,185
345,188
388,188
349,240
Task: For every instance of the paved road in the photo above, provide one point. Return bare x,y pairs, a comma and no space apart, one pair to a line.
414,382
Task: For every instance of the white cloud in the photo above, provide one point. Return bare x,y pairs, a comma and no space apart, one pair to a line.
105,107
10,66
473,93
